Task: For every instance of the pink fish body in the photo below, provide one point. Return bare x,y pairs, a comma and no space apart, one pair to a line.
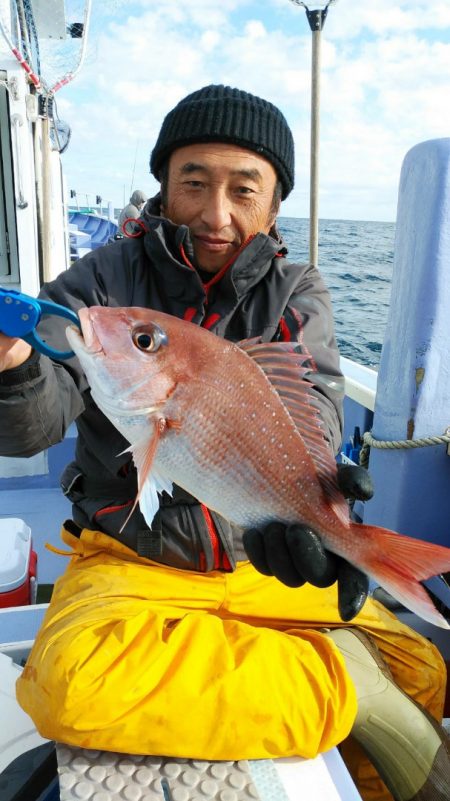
236,426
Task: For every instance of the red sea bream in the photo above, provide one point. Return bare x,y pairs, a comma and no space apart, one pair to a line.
236,426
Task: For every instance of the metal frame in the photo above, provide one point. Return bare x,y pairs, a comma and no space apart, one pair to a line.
9,259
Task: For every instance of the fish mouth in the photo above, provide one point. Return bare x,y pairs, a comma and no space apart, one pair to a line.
86,340
110,397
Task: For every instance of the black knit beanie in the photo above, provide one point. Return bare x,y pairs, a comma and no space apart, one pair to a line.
223,114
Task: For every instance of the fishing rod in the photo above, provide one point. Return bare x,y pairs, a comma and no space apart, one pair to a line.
316,18
134,168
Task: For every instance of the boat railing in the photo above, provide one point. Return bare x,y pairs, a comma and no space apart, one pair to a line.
360,383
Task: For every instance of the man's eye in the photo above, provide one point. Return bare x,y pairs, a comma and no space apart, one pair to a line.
194,184
244,190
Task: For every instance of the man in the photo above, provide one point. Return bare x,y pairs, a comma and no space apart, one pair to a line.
168,641
133,209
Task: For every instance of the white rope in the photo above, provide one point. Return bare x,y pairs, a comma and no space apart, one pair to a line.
394,444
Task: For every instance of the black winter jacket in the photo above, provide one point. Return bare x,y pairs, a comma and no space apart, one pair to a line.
261,294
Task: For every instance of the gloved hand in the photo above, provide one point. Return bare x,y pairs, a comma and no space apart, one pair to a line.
355,482
295,554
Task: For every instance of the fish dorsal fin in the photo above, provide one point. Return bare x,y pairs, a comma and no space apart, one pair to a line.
285,368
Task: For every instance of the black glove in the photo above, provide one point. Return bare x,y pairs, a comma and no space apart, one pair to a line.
295,554
355,482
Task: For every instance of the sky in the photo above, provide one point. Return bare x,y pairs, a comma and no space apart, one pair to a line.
385,87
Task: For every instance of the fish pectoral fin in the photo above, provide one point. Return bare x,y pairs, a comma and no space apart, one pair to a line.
150,482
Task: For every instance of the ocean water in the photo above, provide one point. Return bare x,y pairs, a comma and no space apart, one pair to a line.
355,260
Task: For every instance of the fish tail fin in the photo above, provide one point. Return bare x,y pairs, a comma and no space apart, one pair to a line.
399,563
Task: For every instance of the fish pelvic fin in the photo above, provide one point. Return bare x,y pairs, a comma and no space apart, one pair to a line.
399,563
150,482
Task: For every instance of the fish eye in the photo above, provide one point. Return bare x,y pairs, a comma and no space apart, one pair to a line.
143,341
149,340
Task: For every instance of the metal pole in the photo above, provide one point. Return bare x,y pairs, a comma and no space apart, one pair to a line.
39,200
314,154
316,21
43,168
46,198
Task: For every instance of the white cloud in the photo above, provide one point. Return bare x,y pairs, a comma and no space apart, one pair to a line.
385,87
209,40
349,19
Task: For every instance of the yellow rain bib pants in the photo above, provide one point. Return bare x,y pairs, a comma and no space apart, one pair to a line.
137,657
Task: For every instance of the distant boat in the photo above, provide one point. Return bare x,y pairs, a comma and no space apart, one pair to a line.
88,230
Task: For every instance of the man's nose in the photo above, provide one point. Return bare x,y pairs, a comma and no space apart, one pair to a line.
216,212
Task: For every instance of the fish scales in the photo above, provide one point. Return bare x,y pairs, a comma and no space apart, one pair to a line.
229,441
235,425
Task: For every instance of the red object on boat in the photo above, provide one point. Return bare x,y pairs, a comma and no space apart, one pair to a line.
18,564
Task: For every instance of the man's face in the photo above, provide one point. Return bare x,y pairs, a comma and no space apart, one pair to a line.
224,194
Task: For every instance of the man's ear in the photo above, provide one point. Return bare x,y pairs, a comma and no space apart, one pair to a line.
162,195
274,214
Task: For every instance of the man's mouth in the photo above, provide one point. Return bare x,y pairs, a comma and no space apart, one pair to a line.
213,244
